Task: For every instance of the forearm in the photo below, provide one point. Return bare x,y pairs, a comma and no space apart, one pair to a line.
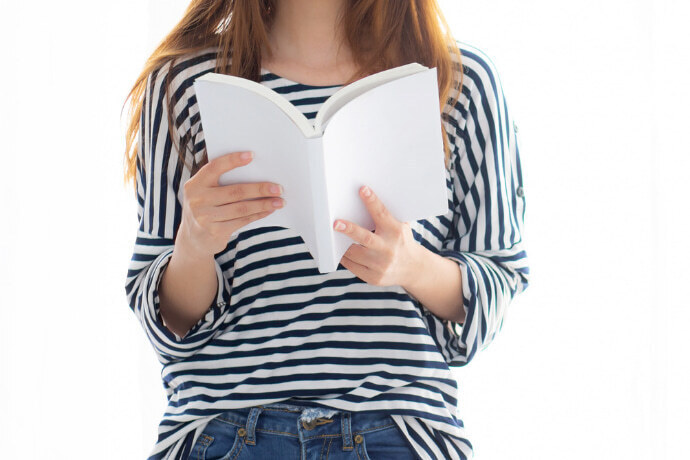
187,288
437,284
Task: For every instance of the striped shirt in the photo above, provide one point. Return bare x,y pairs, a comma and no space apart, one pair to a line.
278,329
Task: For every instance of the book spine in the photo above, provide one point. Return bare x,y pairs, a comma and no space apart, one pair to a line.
324,233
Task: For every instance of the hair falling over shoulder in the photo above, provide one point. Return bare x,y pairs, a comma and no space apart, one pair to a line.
382,34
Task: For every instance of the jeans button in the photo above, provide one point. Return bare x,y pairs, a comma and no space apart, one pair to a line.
308,425
358,439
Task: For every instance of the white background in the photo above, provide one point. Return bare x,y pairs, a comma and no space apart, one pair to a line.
592,360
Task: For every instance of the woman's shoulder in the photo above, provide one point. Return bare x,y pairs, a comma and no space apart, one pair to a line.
183,70
481,85
479,73
473,55
173,80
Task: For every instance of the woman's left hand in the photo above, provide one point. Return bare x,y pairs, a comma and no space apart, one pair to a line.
384,257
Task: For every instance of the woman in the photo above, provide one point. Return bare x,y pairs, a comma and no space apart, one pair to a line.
263,356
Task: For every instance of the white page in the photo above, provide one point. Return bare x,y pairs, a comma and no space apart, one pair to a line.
398,152
286,106
280,152
354,89
322,227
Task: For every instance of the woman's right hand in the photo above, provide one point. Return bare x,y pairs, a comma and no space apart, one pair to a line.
211,212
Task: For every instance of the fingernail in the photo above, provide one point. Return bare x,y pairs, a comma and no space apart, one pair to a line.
366,191
246,155
277,203
276,189
339,225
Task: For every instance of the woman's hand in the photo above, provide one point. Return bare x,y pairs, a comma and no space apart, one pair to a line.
211,213
384,257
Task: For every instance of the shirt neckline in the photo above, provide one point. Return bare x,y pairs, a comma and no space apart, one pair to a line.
265,72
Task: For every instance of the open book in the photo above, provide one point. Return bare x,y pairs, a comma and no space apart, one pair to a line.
383,131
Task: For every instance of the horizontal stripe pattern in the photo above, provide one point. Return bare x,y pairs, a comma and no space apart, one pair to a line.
278,329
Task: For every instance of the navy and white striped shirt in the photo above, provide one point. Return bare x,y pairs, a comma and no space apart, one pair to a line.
279,329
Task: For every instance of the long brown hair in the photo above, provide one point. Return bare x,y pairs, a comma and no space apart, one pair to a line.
382,34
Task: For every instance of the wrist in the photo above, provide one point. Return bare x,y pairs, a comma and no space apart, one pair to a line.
185,247
416,267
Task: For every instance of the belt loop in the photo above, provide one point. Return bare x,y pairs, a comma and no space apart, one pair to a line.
251,424
346,427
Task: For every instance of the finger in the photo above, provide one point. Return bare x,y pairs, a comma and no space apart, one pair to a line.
360,271
361,235
211,171
232,225
361,255
382,218
241,209
237,192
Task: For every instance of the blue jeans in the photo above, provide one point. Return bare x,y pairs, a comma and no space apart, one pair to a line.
283,431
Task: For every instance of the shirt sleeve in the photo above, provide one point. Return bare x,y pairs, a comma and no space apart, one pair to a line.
159,176
486,235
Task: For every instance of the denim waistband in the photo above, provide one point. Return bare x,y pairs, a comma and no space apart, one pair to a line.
305,421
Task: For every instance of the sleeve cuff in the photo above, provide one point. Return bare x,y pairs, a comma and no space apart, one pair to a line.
204,326
452,337
469,294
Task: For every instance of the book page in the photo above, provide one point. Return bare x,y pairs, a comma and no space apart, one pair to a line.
322,234
237,84
351,91
234,119
390,139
